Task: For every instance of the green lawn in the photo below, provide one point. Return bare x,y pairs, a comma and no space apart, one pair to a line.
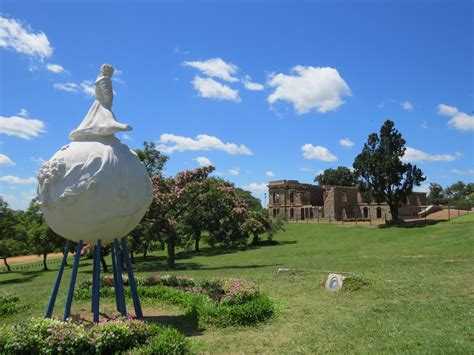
420,297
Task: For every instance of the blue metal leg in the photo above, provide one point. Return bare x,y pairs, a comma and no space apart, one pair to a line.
75,266
114,270
96,282
120,289
131,280
52,300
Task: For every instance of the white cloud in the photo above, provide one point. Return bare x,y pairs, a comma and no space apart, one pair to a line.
310,88
117,77
6,161
203,161
15,180
24,113
317,152
270,173
256,187
306,169
69,87
413,155
463,172
234,171
21,127
88,87
424,124
209,88
459,120
249,85
170,143
407,105
127,137
20,201
346,142
39,160
55,68
216,68
22,39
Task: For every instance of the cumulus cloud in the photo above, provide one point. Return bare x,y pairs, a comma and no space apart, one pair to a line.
14,35
6,161
21,127
170,143
234,171
256,187
407,105
69,87
249,85
216,68
459,120
56,68
211,89
346,142
317,152
15,180
270,173
203,161
24,113
309,88
413,155
88,88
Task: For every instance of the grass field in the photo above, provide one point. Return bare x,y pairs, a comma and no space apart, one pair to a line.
420,296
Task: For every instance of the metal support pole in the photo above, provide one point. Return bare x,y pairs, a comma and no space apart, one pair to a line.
54,294
114,270
131,280
96,282
120,292
75,266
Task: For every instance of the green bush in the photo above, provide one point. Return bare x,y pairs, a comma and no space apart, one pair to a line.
9,304
52,336
169,341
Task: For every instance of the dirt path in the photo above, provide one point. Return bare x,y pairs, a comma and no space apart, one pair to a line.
25,259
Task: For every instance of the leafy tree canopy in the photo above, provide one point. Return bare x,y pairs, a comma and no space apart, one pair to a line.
341,176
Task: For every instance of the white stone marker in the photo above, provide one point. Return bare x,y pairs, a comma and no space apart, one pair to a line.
95,187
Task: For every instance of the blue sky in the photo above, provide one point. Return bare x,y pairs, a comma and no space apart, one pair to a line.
264,90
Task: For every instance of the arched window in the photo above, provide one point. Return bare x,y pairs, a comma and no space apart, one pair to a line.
274,212
292,213
344,214
302,213
292,197
344,196
311,215
379,212
366,212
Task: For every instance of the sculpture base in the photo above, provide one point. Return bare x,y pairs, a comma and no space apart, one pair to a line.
117,262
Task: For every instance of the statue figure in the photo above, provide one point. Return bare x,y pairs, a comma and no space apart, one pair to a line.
100,120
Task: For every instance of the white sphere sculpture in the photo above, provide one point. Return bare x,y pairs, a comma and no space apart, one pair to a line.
95,187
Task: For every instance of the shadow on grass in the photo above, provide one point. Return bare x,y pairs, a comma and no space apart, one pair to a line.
24,276
411,224
185,323
254,266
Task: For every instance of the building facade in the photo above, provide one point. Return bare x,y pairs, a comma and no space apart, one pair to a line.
299,201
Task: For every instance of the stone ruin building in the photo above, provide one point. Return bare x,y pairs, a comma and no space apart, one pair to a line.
299,201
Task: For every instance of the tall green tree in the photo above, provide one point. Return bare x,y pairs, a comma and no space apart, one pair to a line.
341,176
436,194
253,203
12,242
380,169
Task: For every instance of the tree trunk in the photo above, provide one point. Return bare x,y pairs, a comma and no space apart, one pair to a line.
197,238
132,257
6,264
394,212
145,252
255,239
45,266
104,264
171,246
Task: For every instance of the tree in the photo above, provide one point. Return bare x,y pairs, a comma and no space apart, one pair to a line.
436,194
172,197
253,203
459,190
42,239
341,176
380,170
152,158
257,223
11,241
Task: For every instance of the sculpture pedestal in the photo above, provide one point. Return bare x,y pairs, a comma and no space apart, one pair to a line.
118,281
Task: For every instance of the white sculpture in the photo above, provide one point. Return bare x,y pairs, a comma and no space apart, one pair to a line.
95,187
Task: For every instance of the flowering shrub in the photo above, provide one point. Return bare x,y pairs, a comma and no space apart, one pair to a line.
52,336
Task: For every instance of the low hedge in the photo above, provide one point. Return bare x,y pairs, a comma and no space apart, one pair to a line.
50,336
217,302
